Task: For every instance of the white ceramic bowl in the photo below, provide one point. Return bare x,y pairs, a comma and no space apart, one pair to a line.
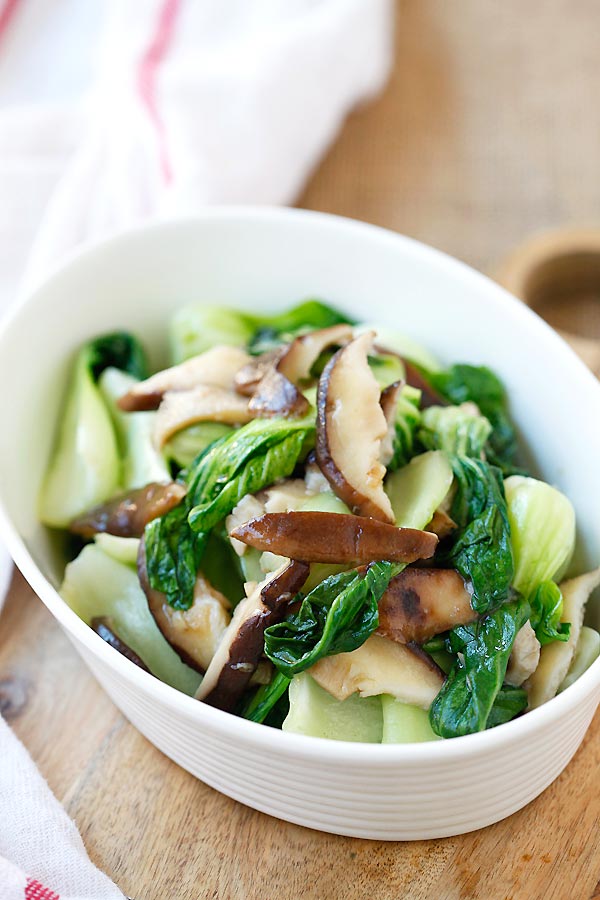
270,259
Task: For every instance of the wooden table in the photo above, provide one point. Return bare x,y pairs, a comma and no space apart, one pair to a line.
489,130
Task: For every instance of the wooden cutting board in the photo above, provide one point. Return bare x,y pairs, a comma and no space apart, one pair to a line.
479,140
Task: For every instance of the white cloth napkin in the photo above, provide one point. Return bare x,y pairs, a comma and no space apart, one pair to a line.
113,113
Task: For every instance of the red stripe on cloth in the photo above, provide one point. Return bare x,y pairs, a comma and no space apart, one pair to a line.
36,891
149,64
6,14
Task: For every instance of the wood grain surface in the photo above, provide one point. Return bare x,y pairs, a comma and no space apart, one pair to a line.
488,131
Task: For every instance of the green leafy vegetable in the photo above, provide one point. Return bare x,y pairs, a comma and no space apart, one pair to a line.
509,702
478,384
542,523
96,584
118,350
337,616
85,468
272,331
387,368
483,648
173,556
186,445
141,462
265,698
196,328
416,490
456,429
406,423
546,612
481,547
240,463
404,723
313,711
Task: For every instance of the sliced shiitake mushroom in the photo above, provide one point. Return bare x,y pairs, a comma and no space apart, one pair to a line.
103,626
247,379
419,603
351,426
381,666
127,514
217,367
241,648
205,403
326,537
555,658
389,404
524,657
276,395
193,633
298,358
441,524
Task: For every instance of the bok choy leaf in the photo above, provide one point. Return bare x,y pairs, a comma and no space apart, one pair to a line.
242,462
461,430
85,468
481,548
465,702
337,616
478,384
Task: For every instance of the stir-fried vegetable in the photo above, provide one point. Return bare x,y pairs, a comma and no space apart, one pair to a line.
483,649
336,617
85,468
481,549
460,430
285,557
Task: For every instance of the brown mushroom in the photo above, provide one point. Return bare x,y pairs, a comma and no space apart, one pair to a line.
380,666
127,514
327,537
556,657
242,645
103,626
193,633
276,395
200,404
524,657
217,367
247,379
441,524
429,396
419,603
389,403
298,358
350,429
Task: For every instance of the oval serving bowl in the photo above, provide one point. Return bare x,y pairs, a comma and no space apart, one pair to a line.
268,259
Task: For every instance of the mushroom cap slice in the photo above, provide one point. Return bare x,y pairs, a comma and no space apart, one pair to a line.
200,404
413,377
351,426
380,666
555,658
217,367
242,645
103,626
247,379
298,358
193,633
441,524
389,404
524,657
127,514
327,537
419,603
276,395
